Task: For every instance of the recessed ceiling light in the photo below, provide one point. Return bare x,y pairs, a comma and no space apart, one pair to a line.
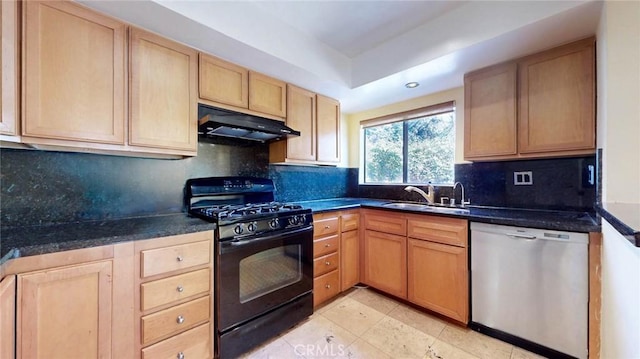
411,85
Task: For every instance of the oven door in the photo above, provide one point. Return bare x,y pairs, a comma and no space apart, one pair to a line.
258,275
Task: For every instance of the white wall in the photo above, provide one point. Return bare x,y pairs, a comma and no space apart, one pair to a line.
353,120
618,61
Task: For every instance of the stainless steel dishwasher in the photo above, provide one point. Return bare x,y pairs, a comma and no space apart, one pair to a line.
530,287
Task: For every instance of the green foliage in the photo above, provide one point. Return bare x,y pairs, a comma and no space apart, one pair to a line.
431,146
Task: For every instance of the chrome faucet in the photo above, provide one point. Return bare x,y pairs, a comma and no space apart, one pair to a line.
429,197
462,201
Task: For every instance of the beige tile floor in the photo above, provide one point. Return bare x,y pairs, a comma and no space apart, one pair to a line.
364,324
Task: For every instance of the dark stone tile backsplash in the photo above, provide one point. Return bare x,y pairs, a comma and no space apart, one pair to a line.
558,184
42,187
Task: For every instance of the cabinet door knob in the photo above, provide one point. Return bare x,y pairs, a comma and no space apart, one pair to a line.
327,263
180,319
180,289
327,245
179,259
327,227
328,286
180,355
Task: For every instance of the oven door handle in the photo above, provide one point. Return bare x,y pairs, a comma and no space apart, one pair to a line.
227,246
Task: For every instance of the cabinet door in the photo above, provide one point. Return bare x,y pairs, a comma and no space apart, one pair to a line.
7,316
328,129
438,278
66,312
385,260
490,112
349,260
74,73
557,100
9,69
163,93
301,116
267,94
224,82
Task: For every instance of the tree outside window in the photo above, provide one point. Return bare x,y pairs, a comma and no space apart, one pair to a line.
414,150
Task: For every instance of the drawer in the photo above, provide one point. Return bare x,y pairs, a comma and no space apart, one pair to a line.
453,231
325,227
169,259
325,287
167,290
350,222
386,222
175,319
325,245
325,264
194,343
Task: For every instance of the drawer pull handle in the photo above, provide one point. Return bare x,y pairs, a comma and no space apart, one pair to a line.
180,319
327,227
328,286
180,289
180,355
327,263
179,259
327,245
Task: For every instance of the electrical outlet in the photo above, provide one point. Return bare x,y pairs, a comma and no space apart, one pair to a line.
524,178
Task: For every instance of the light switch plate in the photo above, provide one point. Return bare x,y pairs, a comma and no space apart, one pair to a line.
523,178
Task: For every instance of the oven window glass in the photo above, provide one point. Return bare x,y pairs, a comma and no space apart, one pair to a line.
270,270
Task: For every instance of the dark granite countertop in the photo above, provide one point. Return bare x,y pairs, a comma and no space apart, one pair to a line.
624,217
556,220
33,240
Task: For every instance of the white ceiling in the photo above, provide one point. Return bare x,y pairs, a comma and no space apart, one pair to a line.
363,52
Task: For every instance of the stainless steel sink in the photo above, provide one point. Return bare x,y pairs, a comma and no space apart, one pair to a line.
426,208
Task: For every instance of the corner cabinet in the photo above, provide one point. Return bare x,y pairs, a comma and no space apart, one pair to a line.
538,106
9,69
317,118
163,93
421,258
65,312
74,73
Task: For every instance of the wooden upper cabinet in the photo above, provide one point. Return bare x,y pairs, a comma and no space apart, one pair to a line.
301,116
9,68
557,96
66,312
490,112
223,82
267,94
163,93
74,73
328,129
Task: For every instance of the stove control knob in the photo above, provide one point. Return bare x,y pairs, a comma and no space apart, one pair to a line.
238,229
274,223
294,220
251,227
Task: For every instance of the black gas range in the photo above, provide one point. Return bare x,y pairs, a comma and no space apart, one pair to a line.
263,259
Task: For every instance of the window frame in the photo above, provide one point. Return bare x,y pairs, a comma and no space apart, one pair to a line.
404,117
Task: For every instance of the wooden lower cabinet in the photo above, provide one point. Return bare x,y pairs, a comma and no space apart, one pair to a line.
194,343
325,287
7,316
427,265
437,278
349,259
65,312
385,257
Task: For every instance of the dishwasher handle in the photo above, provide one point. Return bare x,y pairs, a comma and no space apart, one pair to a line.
522,235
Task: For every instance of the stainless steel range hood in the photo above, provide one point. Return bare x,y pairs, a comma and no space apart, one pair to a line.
225,123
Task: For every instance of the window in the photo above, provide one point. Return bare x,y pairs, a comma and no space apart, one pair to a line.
412,147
